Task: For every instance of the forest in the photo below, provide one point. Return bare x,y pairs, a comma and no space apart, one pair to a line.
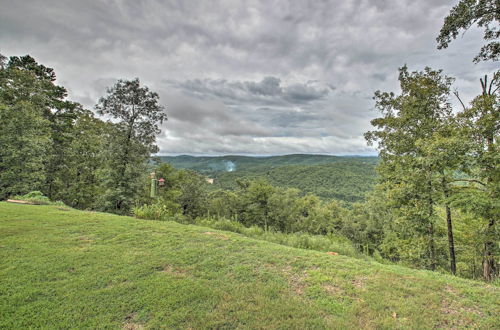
345,178
429,201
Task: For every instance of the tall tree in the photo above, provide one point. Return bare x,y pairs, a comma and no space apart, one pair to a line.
480,124
138,115
29,81
484,13
27,97
408,123
24,145
78,181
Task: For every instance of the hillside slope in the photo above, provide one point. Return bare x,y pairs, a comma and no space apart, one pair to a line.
62,268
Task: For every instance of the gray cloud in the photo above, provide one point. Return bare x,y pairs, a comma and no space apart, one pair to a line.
244,77
269,90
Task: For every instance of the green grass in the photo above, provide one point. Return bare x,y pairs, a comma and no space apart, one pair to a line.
62,268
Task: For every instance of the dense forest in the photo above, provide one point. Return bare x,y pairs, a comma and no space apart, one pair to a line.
434,203
329,177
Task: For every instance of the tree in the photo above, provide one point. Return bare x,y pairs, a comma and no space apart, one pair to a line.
480,126
484,13
445,153
25,80
138,114
254,203
24,144
78,181
27,97
192,196
408,174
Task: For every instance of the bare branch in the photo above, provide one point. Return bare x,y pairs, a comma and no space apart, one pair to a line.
458,97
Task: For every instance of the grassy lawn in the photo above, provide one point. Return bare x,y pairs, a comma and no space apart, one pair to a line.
62,268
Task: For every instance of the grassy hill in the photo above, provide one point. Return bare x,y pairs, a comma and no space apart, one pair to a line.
62,268
343,178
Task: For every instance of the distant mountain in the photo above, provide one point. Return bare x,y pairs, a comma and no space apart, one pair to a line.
232,163
346,178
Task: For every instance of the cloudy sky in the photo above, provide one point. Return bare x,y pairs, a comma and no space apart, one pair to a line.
244,77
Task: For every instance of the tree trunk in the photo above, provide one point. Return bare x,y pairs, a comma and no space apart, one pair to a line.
432,247
451,244
489,263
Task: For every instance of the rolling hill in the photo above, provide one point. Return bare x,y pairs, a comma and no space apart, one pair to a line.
225,163
63,268
343,178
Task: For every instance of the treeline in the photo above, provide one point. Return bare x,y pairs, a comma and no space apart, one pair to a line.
53,145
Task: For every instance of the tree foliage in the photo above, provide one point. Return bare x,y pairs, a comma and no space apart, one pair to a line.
138,116
484,13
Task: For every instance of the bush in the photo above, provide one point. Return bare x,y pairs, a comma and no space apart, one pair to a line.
152,212
37,198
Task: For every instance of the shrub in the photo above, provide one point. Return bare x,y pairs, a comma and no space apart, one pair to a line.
37,197
152,212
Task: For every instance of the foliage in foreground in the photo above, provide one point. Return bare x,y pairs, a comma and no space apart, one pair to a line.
63,268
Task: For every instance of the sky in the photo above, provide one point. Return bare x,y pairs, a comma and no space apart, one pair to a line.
245,77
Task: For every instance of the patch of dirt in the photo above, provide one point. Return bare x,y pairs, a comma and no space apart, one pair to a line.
84,238
333,290
63,209
359,282
16,201
450,289
129,323
176,271
332,253
221,236
295,280
297,283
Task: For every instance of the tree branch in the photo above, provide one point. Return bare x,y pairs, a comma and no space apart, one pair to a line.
458,97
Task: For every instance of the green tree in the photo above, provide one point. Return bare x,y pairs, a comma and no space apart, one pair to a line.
254,206
409,122
138,116
484,13
192,196
78,183
27,96
24,144
223,204
480,126
32,82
